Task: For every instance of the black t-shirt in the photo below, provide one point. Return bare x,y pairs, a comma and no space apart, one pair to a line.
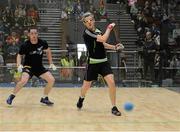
95,49
149,48
33,53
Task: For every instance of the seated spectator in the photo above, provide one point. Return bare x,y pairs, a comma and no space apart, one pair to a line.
24,37
102,9
171,6
155,11
28,22
155,29
20,13
77,10
64,15
8,17
69,9
1,48
93,10
1,60
12,39
176,35
33,14
11,48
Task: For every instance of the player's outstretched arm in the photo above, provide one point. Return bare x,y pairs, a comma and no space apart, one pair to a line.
103,38
117,47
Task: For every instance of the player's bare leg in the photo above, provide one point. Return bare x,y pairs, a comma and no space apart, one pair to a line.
112,93
19,86
50,82
85,87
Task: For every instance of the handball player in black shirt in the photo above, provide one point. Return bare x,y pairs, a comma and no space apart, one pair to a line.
96,44
32,51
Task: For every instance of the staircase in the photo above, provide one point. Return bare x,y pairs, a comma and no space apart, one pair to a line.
50,24
128,37
177,15
50,29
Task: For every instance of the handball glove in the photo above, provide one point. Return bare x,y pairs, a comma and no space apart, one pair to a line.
119,46
53,67
20,68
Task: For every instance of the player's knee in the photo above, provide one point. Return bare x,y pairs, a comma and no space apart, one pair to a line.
111,82
51,80
86,87
23,82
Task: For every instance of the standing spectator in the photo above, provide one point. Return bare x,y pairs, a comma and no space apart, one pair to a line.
149,56
133,13
130,3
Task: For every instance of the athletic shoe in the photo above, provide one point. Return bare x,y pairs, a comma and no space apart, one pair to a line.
80,103
115,111
10,99
46,101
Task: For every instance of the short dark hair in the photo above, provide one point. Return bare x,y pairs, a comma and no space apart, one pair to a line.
29,29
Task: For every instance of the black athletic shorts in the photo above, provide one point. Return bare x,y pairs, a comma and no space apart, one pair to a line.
38,71
93,70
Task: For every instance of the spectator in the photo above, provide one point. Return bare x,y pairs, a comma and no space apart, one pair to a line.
1,60
24,37
133,12
13,39
149,56
64,15
33,14
8,17
130,3
65,72
20,13
77,10
154,9
28,22
102,9
171,6
176,35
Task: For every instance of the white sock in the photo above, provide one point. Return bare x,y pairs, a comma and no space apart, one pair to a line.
82,97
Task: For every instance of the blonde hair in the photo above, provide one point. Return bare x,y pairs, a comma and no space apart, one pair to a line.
87,14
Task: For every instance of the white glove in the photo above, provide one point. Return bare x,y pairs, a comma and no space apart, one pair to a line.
119,46
53,67
20,68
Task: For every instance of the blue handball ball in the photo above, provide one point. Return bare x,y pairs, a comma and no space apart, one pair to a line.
128,106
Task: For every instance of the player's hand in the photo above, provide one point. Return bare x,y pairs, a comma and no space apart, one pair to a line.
20,68
111,26
119,46
53,67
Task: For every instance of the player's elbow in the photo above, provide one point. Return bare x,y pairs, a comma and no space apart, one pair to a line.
101,39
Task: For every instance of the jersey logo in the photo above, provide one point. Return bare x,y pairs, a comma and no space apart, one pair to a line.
38,51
